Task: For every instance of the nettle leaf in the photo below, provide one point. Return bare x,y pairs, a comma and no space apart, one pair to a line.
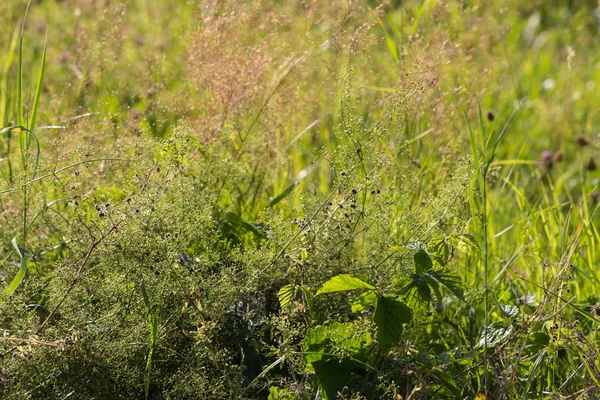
334,352
448,279
389,316
463,241
495,335
365,300
418,283
343,283
286,294
509,310
409,246
439,250
422,262
435,286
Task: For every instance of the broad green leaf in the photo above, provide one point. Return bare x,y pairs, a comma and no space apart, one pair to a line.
334,352
449,279
342,283
536,342
433,284
438,250
422,262
345,336
389,316
495,334
408,246
418,283
286,294
463,241
365,300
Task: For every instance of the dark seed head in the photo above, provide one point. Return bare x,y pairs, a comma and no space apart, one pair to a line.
490,115
373,192
358,151
582,141
591,165
101,214
344,173
354,191
558,157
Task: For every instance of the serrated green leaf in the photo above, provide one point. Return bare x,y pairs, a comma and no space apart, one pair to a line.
418,283
422,262
286,294
365,300
439,250
448,279
463,241
495,334
408,246
389,316
342,283
433,284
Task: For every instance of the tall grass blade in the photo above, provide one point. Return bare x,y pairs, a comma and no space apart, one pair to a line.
32,119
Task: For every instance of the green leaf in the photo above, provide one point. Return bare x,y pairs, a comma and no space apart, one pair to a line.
448,382
408,246
419,283
422,262
448,279
495,334
365,300
389,316
308,295
439,250
433,284
342,283
335,352
509,310
286,294
463,241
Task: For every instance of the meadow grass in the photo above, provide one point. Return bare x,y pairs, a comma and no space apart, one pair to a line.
294,200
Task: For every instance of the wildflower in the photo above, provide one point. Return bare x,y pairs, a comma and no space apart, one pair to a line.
547,159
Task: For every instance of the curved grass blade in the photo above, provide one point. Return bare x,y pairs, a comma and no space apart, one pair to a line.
14,284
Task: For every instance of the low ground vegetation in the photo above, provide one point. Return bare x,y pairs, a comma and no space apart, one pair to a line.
299,200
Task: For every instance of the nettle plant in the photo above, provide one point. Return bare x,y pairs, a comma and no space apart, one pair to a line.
344,356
